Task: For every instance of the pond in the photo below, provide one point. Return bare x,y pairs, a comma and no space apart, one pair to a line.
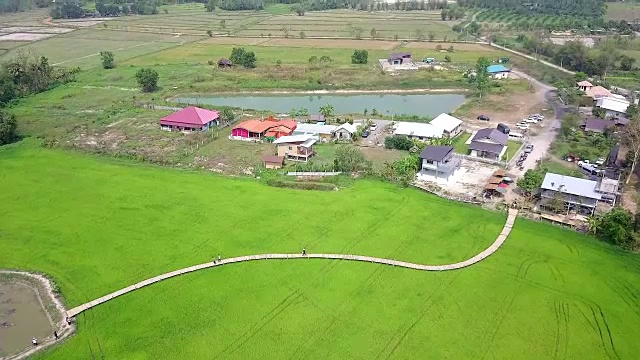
429,105
21,318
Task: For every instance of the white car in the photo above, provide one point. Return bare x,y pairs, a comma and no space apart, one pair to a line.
532,121
523,126
600,161
373,127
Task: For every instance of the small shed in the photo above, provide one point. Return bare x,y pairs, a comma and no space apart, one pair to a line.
273,161
498,71
224,63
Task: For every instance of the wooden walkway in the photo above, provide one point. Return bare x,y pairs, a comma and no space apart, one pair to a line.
479,257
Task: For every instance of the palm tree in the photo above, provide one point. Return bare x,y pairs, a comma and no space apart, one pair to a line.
593,222
327,110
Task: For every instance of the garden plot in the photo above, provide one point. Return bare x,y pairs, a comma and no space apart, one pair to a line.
34,29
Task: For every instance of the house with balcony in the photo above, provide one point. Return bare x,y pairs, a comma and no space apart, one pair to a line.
295,147
488,143
438,163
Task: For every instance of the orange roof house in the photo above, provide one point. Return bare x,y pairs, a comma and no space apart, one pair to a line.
257,129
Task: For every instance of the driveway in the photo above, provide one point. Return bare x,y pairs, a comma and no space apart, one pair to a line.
376,137
543,140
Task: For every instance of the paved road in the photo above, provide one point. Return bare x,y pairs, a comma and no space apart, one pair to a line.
511,217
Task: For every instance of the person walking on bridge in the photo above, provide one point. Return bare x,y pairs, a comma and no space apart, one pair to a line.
304,252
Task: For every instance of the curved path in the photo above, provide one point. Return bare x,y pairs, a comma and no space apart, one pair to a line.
459,265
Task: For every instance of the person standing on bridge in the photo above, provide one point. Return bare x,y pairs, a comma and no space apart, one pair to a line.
34,341
55,334
304,252
218,257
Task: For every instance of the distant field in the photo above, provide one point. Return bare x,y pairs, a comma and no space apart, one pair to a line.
628,11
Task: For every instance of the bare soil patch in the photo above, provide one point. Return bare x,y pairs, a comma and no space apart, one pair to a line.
457,46
234,41
333,43
24,37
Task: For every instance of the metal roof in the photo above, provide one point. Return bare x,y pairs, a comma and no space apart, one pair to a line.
418,129
292,139
571,185
351,128
597,125
487,147
446,122
315,128
435,153
492,69
491,134
613,104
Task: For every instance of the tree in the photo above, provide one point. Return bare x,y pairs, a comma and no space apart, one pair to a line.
236,55
227,116
398,142
210,33
450,49
626,63
302,35
360,57
327,110
633,112
147,79
420,34
223,24
444,14
298,9
248,60
617,227
631,138
210,6
432,36
482,75
531,181
108,60
357,32
8,126
599,112
373,33
447,58
580,76
350,159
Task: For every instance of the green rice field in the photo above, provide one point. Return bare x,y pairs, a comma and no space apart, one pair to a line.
96,225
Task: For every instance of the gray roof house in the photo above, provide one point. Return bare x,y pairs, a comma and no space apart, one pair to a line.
597,125
399,58
575,192
437,162
488,143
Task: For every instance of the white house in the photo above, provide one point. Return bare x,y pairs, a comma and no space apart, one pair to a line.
450,125
584,85
498,71
345,131
614,106
420,131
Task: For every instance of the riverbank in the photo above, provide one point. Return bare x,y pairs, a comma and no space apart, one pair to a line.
48,298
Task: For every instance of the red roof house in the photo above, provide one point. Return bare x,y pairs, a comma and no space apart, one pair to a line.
191,119
257,129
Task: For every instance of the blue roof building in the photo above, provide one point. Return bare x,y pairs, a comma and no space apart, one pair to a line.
498,71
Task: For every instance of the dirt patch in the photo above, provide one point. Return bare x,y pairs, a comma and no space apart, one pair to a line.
508,109
33,29
333,43
457,46
24,37
234,41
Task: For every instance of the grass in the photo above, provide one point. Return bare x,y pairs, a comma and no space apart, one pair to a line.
97,225
557,167
629,11
462,148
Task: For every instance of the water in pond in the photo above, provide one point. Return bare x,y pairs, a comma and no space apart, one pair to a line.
21,318
386,104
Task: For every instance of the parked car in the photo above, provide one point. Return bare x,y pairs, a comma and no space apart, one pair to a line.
529,146
373,127
483,118
503,128
600,161
522,123
366,134
531,121
523,126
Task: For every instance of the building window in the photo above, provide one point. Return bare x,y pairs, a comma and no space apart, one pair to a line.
290,148
430,162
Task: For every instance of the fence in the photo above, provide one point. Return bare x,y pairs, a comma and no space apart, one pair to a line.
310,173
435,191
483,160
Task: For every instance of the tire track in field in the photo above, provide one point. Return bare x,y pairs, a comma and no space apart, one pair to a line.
561,346
509,299
605,336
626,294
241,340
426,305
372,229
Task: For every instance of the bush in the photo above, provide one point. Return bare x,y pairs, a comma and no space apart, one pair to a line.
306,185
8,126
360,57
398,142
241,57
108,60
147,79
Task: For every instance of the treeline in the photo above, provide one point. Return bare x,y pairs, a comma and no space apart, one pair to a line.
74,9
581,8
576,56
318,5
29,74
9,6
